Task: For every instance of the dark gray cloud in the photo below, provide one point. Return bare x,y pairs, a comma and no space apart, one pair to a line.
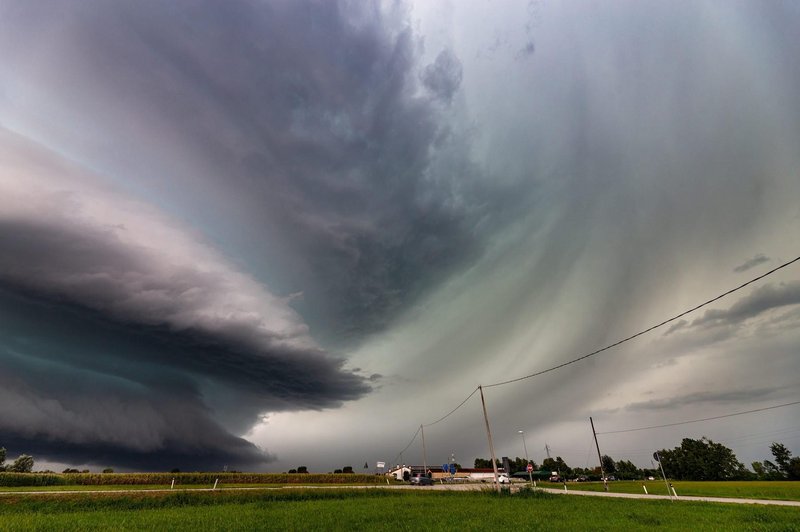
699,399
443,77
80,378
307,115
303,121
751,263
760,300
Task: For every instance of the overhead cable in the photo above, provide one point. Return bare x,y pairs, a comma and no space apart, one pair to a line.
703,419
640,333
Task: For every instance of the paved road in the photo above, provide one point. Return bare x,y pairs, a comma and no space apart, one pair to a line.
436,487
681,498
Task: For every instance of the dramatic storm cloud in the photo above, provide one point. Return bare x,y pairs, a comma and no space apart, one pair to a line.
230,231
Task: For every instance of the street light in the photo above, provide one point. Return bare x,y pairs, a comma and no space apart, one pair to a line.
528,466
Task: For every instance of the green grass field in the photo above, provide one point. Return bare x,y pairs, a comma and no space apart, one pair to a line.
774,490
378,510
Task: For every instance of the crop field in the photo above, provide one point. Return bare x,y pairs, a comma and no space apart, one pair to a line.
165,479
346,509
774,490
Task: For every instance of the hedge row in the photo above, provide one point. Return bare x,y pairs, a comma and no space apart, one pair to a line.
100,479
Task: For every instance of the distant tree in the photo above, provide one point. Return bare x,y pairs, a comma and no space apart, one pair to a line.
69,471
766,470
782,456
793,471
2,458
108,470
609,465
175,470
366,465
484,463
302,469
347,469
337,471
788,466
558,465
626,470
23,464
520,464
758,469
292,471
701,460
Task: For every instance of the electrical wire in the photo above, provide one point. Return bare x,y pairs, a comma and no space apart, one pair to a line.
640,333
462,403
453,411
414,437
615,344
698,420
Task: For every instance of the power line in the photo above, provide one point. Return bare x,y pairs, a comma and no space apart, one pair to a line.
453,411
414,437
703,419
462,403
640,333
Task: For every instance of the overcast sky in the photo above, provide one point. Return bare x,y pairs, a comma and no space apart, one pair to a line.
264,234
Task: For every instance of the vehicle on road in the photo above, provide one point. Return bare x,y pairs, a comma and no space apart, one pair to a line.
421,480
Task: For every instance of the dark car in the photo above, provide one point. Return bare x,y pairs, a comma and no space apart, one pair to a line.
421,480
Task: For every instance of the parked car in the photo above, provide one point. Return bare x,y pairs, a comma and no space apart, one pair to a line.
503,479
421,480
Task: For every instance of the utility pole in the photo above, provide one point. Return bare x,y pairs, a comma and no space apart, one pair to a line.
528,460
602,472
491,445
424,452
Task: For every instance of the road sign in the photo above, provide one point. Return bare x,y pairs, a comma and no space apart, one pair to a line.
381,465
530,468
655,455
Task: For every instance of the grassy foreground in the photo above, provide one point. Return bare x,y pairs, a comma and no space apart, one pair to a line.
774,490
378,510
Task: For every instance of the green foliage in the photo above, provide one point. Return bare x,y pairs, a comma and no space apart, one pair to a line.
347,469
557,464
23,464
782,456
302,469
108,470
793,469
609,465
789,467
485,463
626,470
701,460
2,458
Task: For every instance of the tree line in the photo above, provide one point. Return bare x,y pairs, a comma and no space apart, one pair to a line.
23,463
701,459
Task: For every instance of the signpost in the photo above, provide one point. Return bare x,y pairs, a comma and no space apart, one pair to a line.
655,455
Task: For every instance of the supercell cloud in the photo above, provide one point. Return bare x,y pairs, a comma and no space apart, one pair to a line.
292,144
